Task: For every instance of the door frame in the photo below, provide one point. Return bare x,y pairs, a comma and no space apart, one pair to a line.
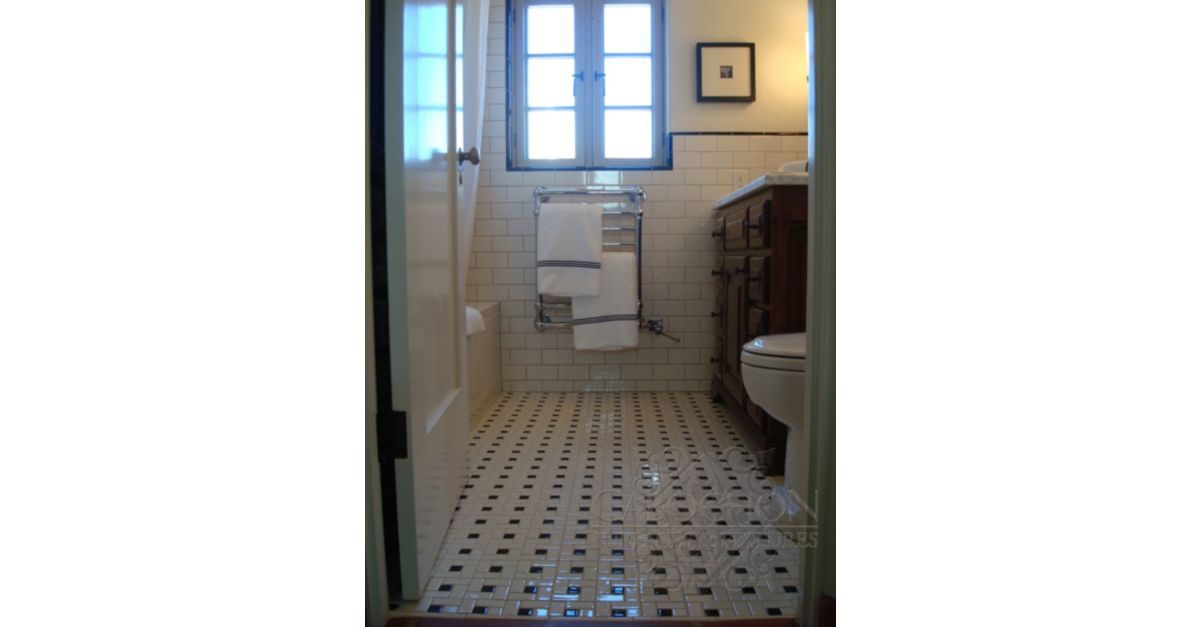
819,560
388,440
382,591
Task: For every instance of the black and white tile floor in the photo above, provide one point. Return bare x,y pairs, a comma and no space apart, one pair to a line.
639,504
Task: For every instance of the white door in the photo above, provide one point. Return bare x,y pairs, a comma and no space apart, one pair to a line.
425,309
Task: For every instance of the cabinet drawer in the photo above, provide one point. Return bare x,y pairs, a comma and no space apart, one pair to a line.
758,224
735,230
758,279
757,323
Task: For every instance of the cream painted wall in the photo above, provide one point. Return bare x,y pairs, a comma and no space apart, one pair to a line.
777,29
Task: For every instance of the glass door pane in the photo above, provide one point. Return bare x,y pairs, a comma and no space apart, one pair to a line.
550,29
627,28
551,82
628,81
551,134
628,134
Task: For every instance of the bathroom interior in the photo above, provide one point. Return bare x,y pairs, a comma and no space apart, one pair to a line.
632,238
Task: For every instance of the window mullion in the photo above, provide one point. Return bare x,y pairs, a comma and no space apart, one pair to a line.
597,55
583,60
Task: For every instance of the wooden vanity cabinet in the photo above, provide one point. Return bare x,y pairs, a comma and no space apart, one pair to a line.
762,249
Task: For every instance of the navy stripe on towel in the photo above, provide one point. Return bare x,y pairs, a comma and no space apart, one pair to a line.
608,318
563,263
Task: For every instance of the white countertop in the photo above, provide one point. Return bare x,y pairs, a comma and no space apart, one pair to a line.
766,180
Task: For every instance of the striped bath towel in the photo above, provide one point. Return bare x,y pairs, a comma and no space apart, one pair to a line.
609,321
569,244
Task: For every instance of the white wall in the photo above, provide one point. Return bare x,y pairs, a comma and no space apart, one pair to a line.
678,252
677,256
776,28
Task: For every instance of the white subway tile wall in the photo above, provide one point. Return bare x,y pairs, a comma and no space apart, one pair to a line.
677,253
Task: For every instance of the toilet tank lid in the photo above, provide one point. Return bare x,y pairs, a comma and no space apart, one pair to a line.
794,345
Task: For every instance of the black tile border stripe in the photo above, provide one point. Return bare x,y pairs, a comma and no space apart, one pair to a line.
673,133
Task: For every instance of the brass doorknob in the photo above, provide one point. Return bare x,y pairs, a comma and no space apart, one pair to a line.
471,155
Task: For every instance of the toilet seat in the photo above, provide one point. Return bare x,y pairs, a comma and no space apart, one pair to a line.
774,363
785,351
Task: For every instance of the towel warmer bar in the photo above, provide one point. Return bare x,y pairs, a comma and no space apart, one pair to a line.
622,229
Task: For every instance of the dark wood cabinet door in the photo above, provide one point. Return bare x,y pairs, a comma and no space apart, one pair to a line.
758,224
758,281
735,230
718,315
734,324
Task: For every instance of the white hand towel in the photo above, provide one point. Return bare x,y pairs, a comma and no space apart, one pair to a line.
569,245
609,322
474,321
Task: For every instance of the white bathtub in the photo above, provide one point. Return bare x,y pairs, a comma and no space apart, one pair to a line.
483,361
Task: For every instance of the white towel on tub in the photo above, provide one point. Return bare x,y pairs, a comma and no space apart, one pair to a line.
609,321
569,240
474,321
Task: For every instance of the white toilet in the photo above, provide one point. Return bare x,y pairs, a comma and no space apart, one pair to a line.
773,371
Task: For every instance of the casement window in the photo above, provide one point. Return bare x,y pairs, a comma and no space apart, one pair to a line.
586,84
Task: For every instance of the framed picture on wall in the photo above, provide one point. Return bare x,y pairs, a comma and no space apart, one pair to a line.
724,72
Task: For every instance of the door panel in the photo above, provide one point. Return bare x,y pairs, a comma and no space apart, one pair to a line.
425,302
733,319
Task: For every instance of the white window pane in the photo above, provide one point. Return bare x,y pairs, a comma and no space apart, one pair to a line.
429,82
550,82
458,97
627,28
628,134
627,81
550,29
551,134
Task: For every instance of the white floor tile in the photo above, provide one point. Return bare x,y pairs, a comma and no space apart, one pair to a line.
629,504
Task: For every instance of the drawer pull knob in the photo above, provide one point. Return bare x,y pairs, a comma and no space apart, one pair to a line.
715,314
713,360
715,273
717,233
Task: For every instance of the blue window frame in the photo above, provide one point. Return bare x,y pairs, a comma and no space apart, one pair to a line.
586,84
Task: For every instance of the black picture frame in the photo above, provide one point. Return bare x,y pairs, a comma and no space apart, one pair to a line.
700,97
